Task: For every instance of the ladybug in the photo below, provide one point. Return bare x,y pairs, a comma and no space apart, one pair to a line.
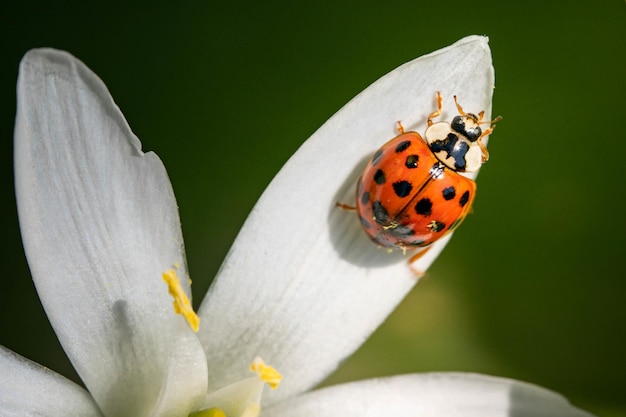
412,192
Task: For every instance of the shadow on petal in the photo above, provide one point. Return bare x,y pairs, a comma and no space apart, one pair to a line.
346,234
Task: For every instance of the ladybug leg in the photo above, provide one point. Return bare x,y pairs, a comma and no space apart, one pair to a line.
414,259
483,148
437,112
400,127
345,206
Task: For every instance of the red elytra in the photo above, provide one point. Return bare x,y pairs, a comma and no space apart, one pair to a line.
412,193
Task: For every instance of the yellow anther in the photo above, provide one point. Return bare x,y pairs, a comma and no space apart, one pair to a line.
182,305
211,412
267,374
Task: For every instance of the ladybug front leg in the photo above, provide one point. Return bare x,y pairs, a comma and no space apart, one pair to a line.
345,206
483,150
481,145
437,112
487,132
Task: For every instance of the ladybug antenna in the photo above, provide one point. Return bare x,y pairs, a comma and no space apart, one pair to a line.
480,115
460,109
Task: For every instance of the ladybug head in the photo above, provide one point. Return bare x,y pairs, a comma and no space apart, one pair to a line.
467,125
458,144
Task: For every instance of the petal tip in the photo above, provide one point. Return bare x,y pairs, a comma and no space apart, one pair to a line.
37,56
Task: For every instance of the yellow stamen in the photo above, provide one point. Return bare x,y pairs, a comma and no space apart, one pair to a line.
211,412
267,374
182,305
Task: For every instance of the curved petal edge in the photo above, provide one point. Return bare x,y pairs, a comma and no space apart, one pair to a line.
27,388
429,395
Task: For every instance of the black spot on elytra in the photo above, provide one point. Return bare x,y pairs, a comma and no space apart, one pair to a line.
419,242
401,231
377,156
402,146
464,198
381,215
365,198
411,161
436,226
402,188
449,193
424,207
379,177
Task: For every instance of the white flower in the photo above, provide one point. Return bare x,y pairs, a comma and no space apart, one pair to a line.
302,286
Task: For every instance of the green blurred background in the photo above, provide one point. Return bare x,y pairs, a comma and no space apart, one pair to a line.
532,286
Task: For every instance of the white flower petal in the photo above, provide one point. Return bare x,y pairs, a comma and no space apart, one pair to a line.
303,286
429,395
235,398
179,396
29,389
100,225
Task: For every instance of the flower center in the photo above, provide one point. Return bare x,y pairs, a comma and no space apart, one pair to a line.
242,398
182,305
211,412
